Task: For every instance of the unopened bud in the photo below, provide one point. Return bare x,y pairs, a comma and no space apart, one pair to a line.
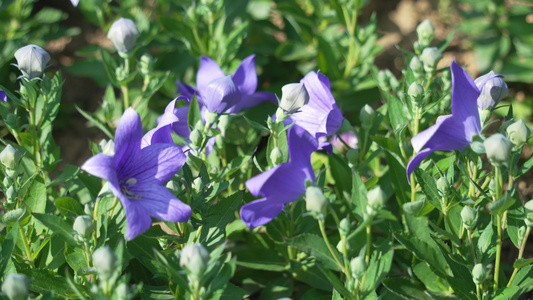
376,198
367,116
16,287
11,194
84,226
416,66
293,97
194,257
479,273
107,147
276,156
196,139
498,148
518,133
210,118
469,217
197,184
493,90
345,226
430,57
32,60
123,33
529,205
358,266
10,157
315,200
416,92
104,261
425,32
146,64
443,186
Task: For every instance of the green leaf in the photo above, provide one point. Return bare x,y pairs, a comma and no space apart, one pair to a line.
429,187
75,257
217,218
69,207
342,174
425,250
7,248
58,226
501,205
378,268
506,293
194,115
35,197
277,288
96,122
520,263
44,281
315,245
110,67
68,174
259,258
405,288
256,125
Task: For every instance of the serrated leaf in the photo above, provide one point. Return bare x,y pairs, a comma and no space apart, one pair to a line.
315,245
69,207
58,226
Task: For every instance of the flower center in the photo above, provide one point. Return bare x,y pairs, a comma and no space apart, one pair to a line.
124,188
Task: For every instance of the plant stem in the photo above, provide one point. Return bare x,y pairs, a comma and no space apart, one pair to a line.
368,243
26,246
499,186
471,245
322,226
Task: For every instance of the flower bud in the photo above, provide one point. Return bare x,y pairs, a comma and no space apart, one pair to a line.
498,148
276,156
416,92
376,198
123,33
84,226
345,226
518,133
469,217
10,157
358,266
425,32
293,97
104,260
210,118
197,184
146,64
32,60
529,205
21,214
16,287
223,123
443,186
416,66
194,257
430,57
11,194
366,116
479,272
107,147
493,90
196,139
315,200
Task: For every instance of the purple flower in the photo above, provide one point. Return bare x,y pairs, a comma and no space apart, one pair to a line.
455,131
321,116
136,176
3,95
224,93
283,183
165,124
492,88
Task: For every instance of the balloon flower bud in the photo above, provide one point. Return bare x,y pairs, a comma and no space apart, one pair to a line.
146,64
493,90
315,200
529,205
443,186
84,226
469,217
518,133
276,156
196,139
425,32
430,57
16,287
123,33
416,92
358,266
366,116
194,257
10,157
498,148
32,60
376,198
416,65
104,261
345,226
293,97
479,273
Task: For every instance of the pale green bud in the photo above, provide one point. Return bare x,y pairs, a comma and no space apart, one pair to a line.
430,57
443,186
84,226
210,118
194,257
223,123
197,184
484,115
479,273
498,148
107,147
293,97
383,80
416,92
20,214
16,287
345,226
196,139
529,205
104,260
123,33
315,200
425,32
367,116
469,217
10,157
376,198
146,64
199,125
416,65
529,219
276,156
32,60
518,133
11,194
358,266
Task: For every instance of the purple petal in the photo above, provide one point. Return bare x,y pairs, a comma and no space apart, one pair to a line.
102,166
464,100
3,95
186,90
158,135
181,127
221,94
447,134
245,76
127,138
155,164
301,144
283,183
159,202
207,72
138,220
334,121
260,212
416,160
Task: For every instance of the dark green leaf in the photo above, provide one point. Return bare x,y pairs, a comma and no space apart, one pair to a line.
316,246
69,207
58,226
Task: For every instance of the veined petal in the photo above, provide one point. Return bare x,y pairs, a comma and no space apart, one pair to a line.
333,122
155,164
102,166
221,94
450,135
138,219
158,135
464,99
181,127
245,76
416,160
159,202
260,212
317,86
127,139
207,72
301,145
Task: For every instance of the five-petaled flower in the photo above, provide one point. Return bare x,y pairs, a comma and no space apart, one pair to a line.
283,183
136,176
226,93
455,131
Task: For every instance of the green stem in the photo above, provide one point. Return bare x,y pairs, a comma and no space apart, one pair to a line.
363,149
368,243
322,226
498,194
471,245
26,246
520,255
478,292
